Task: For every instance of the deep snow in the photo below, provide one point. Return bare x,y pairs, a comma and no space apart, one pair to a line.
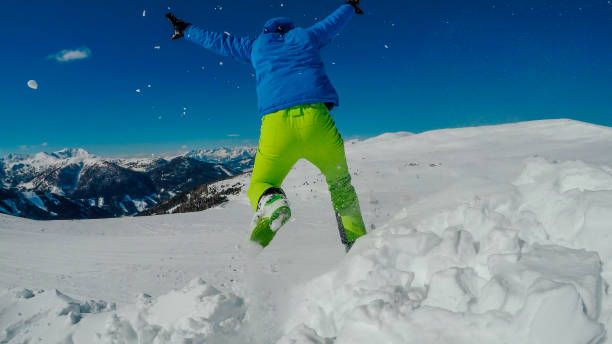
495,234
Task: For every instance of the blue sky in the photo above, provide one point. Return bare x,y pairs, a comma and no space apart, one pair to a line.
404,66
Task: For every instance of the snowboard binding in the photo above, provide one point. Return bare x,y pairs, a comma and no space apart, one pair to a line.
272,213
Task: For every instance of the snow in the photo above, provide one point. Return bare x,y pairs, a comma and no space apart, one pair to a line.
224,170
197,311
45,316
34,199
53,190
494,234
171,210
140,204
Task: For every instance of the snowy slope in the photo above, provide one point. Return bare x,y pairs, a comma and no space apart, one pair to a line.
481,235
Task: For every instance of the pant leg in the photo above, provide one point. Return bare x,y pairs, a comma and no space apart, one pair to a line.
323,146
275,156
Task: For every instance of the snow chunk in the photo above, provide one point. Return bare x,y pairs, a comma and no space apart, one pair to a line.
553,314
26,316
197,313
24,294
304,335
33,84
578,268
454,289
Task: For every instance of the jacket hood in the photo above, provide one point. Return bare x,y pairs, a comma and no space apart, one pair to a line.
280,25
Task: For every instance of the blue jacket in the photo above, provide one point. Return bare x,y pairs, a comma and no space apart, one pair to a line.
286,59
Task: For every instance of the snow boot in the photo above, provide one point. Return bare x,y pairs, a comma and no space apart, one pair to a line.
272,213
350,228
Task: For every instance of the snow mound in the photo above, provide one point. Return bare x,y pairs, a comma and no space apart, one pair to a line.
28,316
199,313
519,265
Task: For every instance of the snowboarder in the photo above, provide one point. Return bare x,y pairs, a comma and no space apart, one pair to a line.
295,97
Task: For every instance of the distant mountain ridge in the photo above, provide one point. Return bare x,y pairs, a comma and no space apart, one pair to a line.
197,199
74,184
239,157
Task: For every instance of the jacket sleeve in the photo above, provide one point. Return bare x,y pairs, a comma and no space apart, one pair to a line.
237,47
323,31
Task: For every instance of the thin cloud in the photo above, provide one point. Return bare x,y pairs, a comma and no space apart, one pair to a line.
233,135
68,55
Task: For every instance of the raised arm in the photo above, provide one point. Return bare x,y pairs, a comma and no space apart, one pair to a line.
323,31
237,47
222,44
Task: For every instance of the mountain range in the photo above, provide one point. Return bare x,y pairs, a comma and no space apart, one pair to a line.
74,184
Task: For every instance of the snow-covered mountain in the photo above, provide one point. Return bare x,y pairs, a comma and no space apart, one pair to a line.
238,158
140,164
497,234
47,206
102,187
197,199
19,169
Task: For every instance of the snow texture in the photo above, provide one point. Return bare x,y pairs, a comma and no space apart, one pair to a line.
478,235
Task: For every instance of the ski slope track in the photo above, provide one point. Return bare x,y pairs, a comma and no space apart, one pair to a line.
498,234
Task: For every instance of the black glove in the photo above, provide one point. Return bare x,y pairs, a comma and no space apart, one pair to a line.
179,26
355,3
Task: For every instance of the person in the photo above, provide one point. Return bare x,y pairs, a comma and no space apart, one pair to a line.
295,97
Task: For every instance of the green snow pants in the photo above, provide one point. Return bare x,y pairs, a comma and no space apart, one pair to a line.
309,132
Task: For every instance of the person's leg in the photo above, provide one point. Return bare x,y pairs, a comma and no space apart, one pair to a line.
275,156
323,146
